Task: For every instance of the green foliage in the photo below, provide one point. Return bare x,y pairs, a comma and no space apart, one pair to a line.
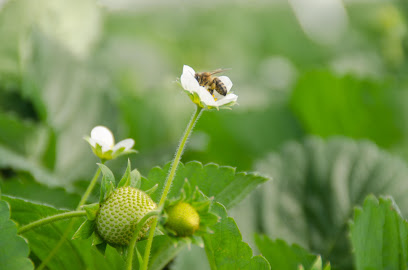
281,256
11,159
27,138
91,210
61,75
225,249
163,251
328,105
24,186
108,183
316,185
85,230
193,257
222,182
46,69
77,254
272,126
14,249
126,179
318,265
379,235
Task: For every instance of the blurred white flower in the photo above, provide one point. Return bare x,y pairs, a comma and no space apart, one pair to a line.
103,144
201,96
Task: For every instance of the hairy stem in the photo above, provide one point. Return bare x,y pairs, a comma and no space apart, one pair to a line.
50,219
169,180
132,243
89,189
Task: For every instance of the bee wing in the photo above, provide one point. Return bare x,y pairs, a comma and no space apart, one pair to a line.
219,70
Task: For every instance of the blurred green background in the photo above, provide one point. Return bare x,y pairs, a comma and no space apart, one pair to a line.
300,68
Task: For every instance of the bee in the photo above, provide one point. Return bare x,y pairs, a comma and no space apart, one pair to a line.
210,82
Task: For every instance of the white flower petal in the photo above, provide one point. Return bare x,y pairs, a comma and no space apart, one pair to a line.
92,142
127,143
188,69
227,82
188,80
217,95
105,147
206,97
103,136
227,99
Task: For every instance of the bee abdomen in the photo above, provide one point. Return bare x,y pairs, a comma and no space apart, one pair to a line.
220,86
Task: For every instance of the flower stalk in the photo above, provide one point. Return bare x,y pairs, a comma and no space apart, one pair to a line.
132,243
90,188
169,181
50,219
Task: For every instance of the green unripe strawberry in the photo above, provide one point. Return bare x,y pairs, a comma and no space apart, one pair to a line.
182,219
119,214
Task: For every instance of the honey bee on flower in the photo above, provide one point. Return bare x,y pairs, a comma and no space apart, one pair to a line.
207,90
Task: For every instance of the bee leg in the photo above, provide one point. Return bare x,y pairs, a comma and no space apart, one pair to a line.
212,94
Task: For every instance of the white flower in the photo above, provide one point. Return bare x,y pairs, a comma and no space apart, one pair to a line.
103,144
201,96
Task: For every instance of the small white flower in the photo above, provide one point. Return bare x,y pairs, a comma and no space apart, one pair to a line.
201,96
103,144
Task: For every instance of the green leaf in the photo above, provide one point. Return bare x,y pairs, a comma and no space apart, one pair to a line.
125,181
76,38
14,249
73,254
97,239
10,159
107,184
225,248
227,142
316,184
102,248
162,252
91,210
52,77
193,257
318,265
135,179
223,182
379,235
330,105
281,256
85,230
152,189
33,140
23,185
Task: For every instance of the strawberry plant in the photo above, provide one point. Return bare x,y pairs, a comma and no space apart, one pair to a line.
294,158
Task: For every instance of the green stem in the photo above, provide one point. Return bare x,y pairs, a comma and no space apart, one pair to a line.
71,224
179,152
132,243
89,189
169,181
57,246
51,219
